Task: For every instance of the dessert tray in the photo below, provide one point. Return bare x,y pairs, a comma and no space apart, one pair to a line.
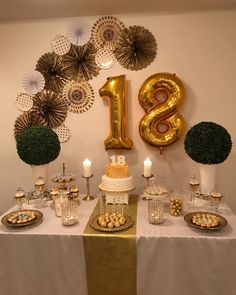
22,218
94,224
209,221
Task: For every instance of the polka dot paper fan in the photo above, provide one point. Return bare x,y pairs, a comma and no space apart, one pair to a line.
60,44
105,58
63,133
24,102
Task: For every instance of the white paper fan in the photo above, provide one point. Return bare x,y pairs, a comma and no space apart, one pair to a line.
60,44
79,32
24,102
33,82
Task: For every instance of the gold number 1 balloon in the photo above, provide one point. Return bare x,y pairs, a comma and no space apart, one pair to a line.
159,96
114,90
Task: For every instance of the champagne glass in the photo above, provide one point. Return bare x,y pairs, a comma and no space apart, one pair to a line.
19,197
216,198
194,185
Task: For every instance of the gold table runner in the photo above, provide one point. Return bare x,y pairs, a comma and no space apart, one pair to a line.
111,257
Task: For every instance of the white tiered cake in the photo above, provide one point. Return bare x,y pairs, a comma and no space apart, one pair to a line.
117,180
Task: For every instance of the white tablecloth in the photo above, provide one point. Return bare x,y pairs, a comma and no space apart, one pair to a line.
173,259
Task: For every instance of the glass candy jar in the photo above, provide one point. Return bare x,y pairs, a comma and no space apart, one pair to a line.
176,203
69,212
155,189
155,211
59,199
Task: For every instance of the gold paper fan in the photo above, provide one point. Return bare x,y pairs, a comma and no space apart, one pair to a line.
51,66
136,48
80,62
27,119
106,30
79,96
63,133
51,107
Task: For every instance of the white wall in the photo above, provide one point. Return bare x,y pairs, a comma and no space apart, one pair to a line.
199,47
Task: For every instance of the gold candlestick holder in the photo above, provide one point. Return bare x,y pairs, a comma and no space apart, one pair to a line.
147,179
88,197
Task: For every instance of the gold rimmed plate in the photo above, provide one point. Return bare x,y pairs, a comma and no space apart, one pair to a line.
33,217
189,217
94,224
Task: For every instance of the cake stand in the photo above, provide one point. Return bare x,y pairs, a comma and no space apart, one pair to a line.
63,179
119,196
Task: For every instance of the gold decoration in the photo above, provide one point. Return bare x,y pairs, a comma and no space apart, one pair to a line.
27,119
160,96
106,30
79,96
136,48
51,107
80,62
51,66
115,91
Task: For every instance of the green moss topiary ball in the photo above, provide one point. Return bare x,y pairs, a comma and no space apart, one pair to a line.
208,143
38,145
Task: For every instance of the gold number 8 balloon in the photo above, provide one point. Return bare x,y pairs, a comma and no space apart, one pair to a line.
160,95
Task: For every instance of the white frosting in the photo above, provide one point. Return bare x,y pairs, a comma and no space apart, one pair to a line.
125,183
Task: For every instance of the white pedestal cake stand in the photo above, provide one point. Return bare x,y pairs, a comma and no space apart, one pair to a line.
116,195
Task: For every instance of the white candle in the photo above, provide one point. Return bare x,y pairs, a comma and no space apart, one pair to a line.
86,168
147,169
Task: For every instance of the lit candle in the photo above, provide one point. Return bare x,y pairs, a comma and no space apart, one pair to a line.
86,168
147,170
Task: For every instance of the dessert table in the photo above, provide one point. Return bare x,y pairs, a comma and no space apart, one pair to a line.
172,258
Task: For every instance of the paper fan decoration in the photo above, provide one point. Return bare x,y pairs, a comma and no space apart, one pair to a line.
63,133
60,44
79,32
136,48
51,66
80,62
51,107
79,96
27,119
105,58
106,30
33,82
24,102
